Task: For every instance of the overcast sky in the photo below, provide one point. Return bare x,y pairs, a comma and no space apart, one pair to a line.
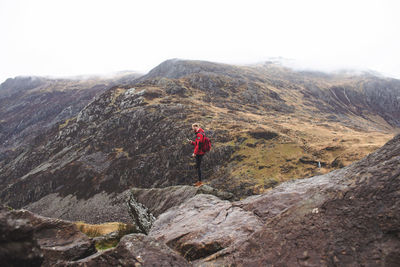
62,38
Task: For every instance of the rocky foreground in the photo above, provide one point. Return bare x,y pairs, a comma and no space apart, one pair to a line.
349,217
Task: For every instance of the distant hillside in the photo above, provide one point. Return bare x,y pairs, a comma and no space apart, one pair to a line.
31,105
268,124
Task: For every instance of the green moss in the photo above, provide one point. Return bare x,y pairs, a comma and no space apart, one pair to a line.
61,126
106,244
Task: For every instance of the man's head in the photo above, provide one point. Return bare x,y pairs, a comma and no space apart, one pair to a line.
195,127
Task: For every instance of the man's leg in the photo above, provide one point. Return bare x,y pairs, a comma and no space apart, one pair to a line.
198,165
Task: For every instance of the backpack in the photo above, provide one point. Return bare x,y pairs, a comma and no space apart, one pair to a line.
206,144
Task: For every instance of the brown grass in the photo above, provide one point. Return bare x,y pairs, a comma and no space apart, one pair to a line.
268,162
94,230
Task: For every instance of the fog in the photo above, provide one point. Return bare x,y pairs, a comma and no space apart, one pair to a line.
63,38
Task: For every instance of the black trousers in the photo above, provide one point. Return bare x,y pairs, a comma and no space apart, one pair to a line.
198,165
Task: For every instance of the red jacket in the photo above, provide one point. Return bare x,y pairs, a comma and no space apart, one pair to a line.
198,142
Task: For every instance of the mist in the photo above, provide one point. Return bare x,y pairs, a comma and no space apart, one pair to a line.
70,38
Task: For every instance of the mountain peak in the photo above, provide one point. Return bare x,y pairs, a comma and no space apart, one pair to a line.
177,68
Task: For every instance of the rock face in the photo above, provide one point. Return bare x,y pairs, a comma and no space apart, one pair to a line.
144,204
204,225
29,106
141,216
134,250
32,240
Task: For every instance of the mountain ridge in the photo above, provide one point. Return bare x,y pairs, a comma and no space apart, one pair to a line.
32,104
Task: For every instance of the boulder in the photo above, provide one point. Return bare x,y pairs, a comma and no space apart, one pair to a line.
18,245
45,239
204,225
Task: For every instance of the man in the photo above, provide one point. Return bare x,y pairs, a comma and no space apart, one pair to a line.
198,152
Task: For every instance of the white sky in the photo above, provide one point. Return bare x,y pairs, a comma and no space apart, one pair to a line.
61,38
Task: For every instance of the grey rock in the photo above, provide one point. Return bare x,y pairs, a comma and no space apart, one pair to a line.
204,225
142,218
159,200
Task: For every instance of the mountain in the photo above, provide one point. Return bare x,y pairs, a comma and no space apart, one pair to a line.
268,124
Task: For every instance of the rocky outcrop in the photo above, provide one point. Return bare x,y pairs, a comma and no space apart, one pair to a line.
32,240
18,247
133,250
159,200
146,204
204,225
141,216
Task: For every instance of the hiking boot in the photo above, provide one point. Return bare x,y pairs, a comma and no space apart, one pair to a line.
198,184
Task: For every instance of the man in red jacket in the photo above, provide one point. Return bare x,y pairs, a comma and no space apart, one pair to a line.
198,152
